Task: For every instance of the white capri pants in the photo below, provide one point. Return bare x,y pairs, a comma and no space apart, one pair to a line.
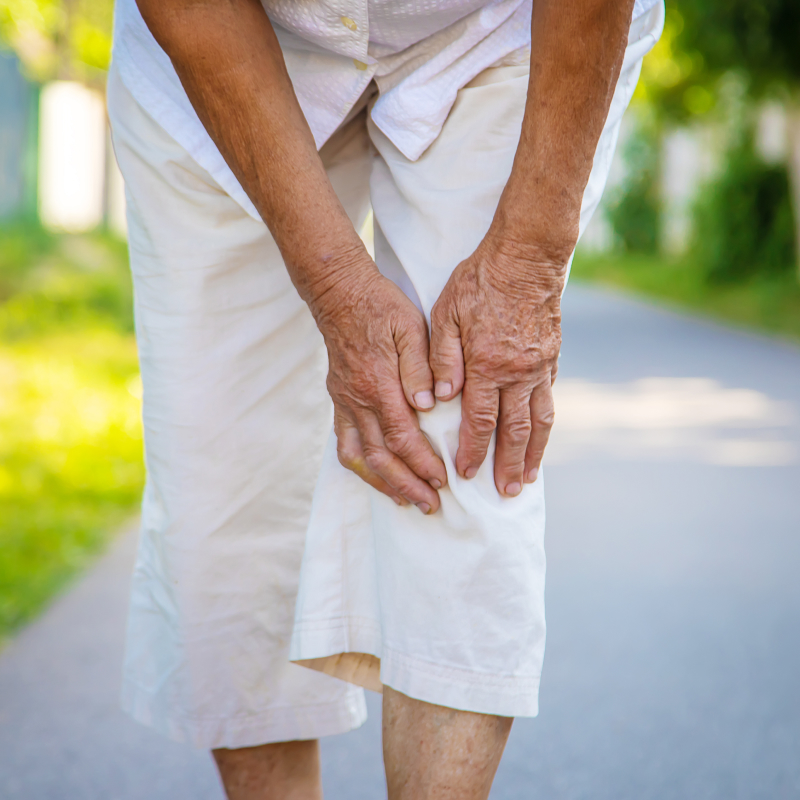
242,488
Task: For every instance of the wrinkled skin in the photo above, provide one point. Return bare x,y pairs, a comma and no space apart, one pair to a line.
377,343
496,327
496,335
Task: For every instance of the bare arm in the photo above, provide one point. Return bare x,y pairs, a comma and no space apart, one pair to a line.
230,64
496,328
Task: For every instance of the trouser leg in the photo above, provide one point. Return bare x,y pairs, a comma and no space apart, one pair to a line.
235,416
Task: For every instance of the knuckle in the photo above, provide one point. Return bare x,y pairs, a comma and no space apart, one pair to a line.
347,460
439,310
545,418
376,459
517,432
347,454
482,422
398,441
407,489
412,329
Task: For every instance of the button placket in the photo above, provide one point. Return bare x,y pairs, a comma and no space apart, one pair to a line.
354,17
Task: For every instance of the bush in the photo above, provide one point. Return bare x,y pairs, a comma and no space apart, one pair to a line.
22,244
743,220
70,435
633,209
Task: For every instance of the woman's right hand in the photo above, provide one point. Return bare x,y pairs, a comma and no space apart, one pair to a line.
378,375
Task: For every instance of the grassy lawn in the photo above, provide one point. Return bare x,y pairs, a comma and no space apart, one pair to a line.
769,304
70,438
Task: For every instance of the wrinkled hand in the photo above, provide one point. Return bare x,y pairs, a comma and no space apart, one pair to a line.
378,374
495,336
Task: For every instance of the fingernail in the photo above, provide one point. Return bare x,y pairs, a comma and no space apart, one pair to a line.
443,388
398,501
470,472
436,483
423,507
532,475
424,399
513,489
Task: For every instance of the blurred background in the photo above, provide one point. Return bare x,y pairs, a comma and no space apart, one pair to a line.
673,469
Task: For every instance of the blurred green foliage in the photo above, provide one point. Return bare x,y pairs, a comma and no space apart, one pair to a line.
59,38
769,302
757,37
714,59
706,43
634,208
70,436
743,223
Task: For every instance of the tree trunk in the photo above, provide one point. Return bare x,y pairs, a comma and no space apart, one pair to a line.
793,136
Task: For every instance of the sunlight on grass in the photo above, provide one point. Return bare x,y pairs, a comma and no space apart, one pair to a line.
769,303
70,437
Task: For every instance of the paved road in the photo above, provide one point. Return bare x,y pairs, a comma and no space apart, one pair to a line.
673,664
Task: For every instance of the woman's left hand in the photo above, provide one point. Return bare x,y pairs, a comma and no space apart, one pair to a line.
496,336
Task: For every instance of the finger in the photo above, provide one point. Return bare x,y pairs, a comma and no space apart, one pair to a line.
446,354
479,407
403,437
390,468
513,435
542,416
351,456
554,372
415,371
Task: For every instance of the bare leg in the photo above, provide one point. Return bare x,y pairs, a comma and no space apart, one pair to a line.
437,753
281,771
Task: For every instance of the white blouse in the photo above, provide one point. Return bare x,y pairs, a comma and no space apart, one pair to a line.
419,52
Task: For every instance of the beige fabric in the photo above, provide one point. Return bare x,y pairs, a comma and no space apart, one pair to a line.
236,418
235,414
450,605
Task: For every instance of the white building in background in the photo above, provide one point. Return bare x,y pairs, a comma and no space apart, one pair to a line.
771,133
599,235
79,183
72,157
689,158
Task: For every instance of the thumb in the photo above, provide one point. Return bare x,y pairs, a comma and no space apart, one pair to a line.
447,357
411,341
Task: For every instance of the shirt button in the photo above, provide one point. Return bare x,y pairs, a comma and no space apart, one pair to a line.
349,23
359,64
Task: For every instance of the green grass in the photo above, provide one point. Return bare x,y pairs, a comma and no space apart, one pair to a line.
71,467
769,304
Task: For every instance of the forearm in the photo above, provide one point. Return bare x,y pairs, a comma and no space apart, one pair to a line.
228,59
577,48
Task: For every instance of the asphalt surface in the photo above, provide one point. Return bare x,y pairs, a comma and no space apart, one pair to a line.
673,656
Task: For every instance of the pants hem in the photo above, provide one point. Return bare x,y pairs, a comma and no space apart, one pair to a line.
282,724
440,684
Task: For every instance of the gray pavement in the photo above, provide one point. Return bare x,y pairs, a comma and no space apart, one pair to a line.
673,657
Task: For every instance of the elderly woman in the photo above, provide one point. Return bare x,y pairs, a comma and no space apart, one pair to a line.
277,575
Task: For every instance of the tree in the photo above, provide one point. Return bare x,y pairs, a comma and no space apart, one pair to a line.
755,39
68,39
